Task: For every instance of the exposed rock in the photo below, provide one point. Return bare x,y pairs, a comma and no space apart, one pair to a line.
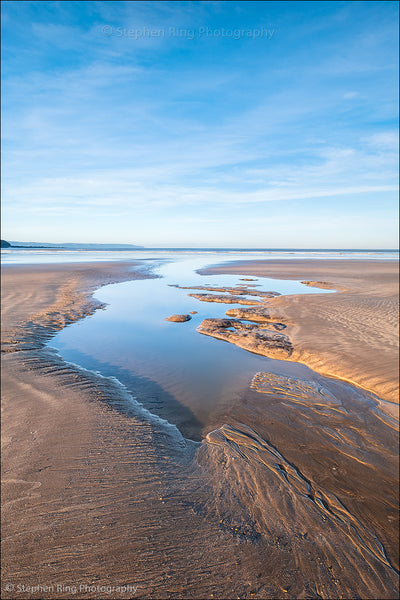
247,279
240,290
248,336
258,315
193,312
278,326
228,299
209,323
179,318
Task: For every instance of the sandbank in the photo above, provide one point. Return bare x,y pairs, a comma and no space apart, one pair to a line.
351,334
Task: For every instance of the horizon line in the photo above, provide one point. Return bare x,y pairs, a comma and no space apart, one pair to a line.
171,247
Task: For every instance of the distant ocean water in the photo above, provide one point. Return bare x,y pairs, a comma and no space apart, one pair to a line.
64,255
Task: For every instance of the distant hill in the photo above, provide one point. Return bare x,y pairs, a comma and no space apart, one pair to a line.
69,246
5,244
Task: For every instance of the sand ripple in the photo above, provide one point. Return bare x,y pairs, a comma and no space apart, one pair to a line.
262,496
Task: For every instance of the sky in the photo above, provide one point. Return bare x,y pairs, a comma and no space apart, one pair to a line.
201,124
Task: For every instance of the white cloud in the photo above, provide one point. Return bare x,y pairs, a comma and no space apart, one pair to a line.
350,95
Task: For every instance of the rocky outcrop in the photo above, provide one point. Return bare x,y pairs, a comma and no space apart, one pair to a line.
240,290
258,315
249,336
178,318
228,299
229,295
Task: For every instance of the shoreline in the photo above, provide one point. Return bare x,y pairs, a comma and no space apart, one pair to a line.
96,493
351,334
80,463
32,323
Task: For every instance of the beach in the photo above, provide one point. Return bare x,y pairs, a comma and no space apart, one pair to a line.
353,334
286,499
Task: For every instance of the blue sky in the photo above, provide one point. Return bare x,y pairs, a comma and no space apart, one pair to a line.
236,124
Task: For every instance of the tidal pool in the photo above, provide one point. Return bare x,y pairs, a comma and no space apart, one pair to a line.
170,368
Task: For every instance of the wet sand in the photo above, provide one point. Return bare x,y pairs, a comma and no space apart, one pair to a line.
352,334
295,497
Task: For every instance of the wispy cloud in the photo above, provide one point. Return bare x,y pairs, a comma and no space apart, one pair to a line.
112,125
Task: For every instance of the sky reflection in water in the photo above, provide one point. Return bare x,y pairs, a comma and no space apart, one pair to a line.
170,368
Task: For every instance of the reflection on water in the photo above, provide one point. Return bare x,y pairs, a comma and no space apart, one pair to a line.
172,370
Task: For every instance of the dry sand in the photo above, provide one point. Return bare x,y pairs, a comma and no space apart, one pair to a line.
352,334
97,492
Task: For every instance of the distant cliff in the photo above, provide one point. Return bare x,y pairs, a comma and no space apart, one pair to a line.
5,244
69,246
